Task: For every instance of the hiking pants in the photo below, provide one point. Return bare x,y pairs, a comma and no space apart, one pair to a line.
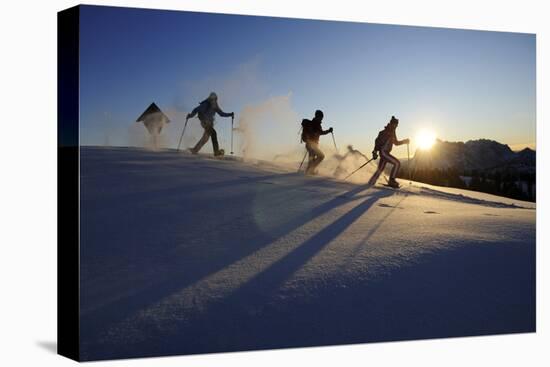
385,158
316,156
209,132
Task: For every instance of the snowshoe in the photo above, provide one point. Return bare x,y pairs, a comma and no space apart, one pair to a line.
391,187
311,172
393,184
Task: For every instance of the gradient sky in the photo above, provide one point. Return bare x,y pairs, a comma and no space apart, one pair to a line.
462,84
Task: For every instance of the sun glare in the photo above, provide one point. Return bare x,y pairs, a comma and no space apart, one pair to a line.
425,139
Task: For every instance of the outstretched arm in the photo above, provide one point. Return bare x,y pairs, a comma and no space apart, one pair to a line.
401,142
224,114
325,132
193,113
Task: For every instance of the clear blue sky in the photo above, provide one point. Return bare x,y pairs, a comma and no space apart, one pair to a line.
462,84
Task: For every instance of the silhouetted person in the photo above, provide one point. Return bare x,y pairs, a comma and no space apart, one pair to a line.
342,158
384,143
207,109
311,131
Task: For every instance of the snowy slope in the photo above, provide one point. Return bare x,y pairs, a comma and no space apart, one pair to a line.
186,254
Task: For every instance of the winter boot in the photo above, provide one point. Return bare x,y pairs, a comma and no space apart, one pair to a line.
393,183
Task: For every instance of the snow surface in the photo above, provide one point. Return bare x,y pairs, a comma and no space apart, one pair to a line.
187,254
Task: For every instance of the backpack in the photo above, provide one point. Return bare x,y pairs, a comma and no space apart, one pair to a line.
306,129
381,139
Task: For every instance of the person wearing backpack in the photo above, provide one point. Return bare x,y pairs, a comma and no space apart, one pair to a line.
311,131
383,144
207,109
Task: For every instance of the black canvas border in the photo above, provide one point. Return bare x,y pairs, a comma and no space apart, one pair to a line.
68,236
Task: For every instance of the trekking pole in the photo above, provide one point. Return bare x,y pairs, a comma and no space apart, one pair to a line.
183,132
363,165
232,118
303,160
409,164
334,141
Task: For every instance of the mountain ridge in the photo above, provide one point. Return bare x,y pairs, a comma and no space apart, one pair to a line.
479,154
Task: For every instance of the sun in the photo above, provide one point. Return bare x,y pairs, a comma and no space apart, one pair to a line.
425,139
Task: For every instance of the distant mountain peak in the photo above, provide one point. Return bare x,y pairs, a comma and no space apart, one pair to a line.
478,154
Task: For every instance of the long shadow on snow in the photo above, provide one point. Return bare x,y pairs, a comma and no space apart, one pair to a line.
258,289
139,295
361,244
472,289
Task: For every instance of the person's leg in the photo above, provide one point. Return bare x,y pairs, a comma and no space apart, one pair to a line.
319,156
214,137
202,141
379,170
311,156
204,137
394,161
